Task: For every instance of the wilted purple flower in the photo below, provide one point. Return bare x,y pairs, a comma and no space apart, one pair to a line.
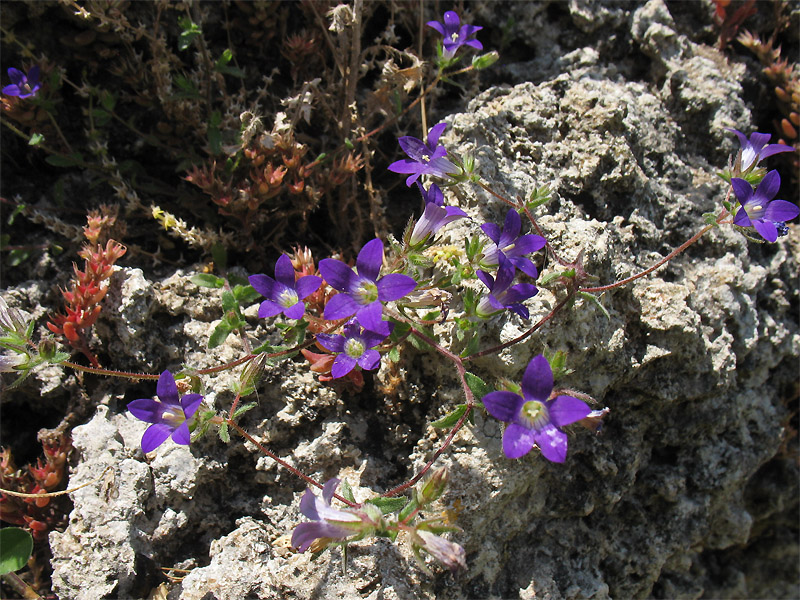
424,159
454,34
169,414
759,210
501,294
450,554
284,294
327,522
23,86
533,419
436,215
756,148
511,244
363,293
353,348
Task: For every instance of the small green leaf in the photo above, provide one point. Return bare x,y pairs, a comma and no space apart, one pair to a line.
477,385
36,138
219,254
207,280
710,218
394,354
224,435
245,294
219,335
229,302
69,160
17,257
409,508
388,505
451,418
190,32
472,345
16,546
347,491
108,101
594,299
243,409
348,143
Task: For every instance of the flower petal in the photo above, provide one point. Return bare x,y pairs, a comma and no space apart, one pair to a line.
742,219
741,189
394,286
342,365
369,360
503,405
190,404
766,229
338,275
774,149
269,309
451,21
517,440
370,315
370,259
491,230
552,443
769,186
329,489
437,26
296,311
566,410
166,390
307,285
780,211
305,534
263,284
416,150
511,229
308,503
435,133
146,409
155,435
340,306
537,382
181,435
334,343
284,271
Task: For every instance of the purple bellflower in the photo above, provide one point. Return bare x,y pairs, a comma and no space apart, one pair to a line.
327,523
756,148
454,34
759,210
169,415
502,294
23,86
533,419
450,554
435,217
353,348
511,244
424,159
284,294
362,293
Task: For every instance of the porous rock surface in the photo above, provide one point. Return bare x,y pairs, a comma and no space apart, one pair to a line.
689,490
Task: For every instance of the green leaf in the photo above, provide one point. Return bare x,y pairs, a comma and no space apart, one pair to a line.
69,160
477,385
596,301
219,335
36,138
245,294
207,280
388,505
108,101
347,491
17,257
190,32
472,345
451,418
219,254
710,218
229,302
394,354
243,409
186,87
16,546
409,508
224,435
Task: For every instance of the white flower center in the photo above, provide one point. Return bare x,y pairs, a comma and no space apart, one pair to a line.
354,348
367,291
535,414
288,298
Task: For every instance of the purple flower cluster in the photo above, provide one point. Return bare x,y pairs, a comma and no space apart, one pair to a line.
424,159
169,415
758,208
455,35
23,86
534,419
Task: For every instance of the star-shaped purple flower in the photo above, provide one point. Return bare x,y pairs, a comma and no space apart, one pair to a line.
435,217
424,159
511,244
362,293
756,148
501,294
759,210
327,522
353,348
169,415
284,294
533,418
23,86
455,35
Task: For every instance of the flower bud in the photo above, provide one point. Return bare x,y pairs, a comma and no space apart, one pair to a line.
434,486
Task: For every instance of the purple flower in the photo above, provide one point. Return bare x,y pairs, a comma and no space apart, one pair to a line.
363,293
284,294
454,34
533,419
327,522
450,554
436,215
21,85
424,159
759,210
756,148
501,294
169,414
511,244
353,348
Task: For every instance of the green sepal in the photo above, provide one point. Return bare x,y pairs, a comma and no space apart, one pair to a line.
485,60
16,547
451,418
207,280
409,508
388,505
224,435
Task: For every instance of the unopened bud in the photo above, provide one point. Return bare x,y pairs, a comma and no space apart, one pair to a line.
485,60
434,486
